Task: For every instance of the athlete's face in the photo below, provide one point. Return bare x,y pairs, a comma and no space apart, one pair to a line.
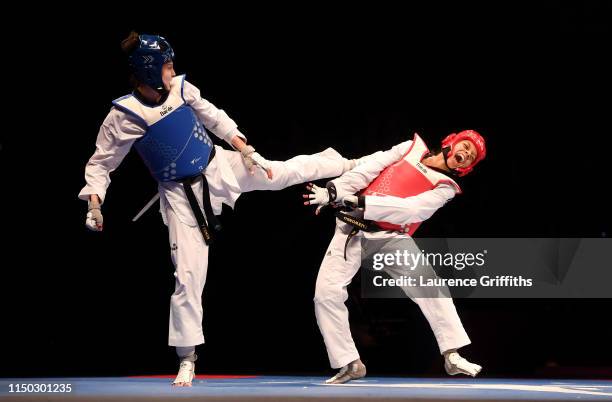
464,154
167,74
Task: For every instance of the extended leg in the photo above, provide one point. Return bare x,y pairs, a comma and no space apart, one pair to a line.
299,169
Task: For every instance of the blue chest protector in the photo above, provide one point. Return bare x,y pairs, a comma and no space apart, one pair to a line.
176,145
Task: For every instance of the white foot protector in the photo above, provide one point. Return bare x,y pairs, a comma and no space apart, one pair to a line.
185,375
455,364
351,371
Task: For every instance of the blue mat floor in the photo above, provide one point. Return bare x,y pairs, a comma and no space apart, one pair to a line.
304,388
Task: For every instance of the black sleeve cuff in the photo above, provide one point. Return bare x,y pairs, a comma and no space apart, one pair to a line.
331,189
361,201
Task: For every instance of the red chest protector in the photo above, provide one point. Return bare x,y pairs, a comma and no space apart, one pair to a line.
406,178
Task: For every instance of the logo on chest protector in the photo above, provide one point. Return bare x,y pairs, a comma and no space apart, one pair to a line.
174,247
165,110
422,168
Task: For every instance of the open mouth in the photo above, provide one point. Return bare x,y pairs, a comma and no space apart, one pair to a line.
460,158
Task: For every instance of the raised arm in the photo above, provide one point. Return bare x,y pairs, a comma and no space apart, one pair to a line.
221,125
214,119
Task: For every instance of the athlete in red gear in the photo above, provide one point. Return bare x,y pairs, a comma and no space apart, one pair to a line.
393,191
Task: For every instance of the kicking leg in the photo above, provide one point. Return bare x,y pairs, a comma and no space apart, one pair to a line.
299,169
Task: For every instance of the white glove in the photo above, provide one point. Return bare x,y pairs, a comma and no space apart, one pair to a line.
320,196
94,220
252,159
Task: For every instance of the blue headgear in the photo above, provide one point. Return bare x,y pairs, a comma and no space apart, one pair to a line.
147,59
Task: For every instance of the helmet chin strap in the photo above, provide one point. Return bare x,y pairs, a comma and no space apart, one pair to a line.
445,152
162,91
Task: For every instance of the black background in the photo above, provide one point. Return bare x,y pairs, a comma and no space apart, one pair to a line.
535,80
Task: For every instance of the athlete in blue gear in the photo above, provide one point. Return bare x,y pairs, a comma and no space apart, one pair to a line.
168,122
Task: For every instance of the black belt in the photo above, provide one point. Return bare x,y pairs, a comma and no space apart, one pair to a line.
357,224
195,207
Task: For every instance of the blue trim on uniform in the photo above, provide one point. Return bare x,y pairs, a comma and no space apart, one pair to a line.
128,111
183,86
122,98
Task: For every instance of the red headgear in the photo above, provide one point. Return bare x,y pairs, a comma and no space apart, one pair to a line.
472,136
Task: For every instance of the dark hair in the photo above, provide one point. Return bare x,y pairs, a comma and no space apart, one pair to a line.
128,45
